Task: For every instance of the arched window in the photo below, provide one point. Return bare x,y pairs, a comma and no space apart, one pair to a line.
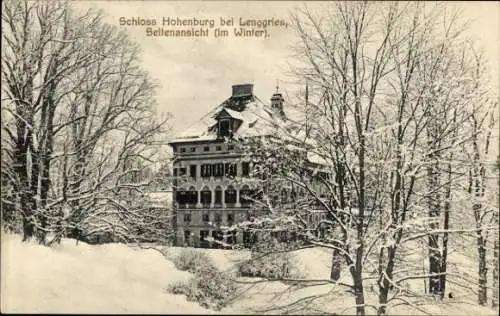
181,196
206,196
192,195
218,196
245,196
230,195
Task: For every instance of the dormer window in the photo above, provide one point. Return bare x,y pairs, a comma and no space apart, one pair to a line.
228,122
225,128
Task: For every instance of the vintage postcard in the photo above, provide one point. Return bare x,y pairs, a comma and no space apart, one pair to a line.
250,157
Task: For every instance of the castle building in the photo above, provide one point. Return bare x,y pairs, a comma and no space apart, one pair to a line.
207,162
213,186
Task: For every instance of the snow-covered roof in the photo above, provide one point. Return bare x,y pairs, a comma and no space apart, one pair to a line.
160,198
234,114
257,119
317,159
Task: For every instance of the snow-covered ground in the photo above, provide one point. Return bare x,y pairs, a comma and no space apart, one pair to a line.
115,278
314,263
110,278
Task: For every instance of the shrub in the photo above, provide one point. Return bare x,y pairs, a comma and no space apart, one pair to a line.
273,265
209,287
193,261
269,260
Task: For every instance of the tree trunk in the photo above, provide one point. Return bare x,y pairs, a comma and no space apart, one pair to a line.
482,294
336,265
21,168
359,294
386,283
446,226
433,241
46,145
494,302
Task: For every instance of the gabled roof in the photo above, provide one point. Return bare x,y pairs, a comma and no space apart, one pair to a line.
234,114
257,119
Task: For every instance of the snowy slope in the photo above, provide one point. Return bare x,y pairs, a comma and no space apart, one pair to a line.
314,264
224,260
115,278
88,279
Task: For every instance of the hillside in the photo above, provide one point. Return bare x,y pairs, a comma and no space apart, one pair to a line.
115,278
81,278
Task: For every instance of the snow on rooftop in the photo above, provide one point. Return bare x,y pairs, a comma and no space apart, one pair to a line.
160,198
257,120
317,159
235,114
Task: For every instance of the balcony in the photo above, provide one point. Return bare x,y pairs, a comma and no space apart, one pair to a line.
246,204
185,206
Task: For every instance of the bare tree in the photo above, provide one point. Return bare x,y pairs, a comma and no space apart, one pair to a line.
484,212
79,110
388,97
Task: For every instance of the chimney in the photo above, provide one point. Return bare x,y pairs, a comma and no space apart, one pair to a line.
277,104
242,90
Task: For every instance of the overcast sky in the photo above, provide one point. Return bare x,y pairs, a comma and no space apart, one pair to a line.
196,74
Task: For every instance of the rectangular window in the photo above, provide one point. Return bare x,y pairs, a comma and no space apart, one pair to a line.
230,170
230,217
174,148
230,147
187,237
206,217
206,170
175,172
206,148
218,170
182,172
183,149
245,169
218,148
203,235
192,149
187,218
218,218
224,128
192,171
